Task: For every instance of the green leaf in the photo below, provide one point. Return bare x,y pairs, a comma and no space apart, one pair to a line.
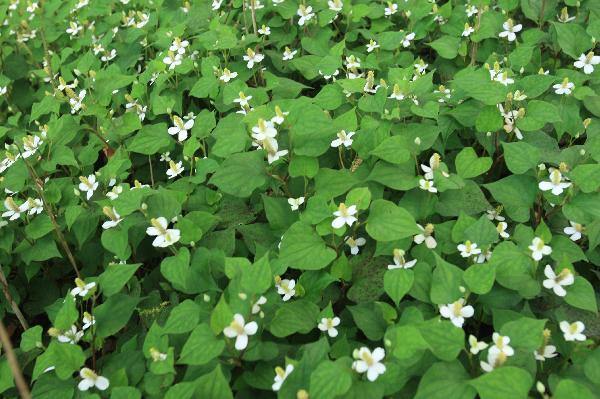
521,157
294,317
257,278
201,347
303,166
445,283
213,385
573,39
445,381
393,150
360,196
150,139
66,358
330,380
183,318
301,248
388,222
525,333
581,295
504,382
517,193
586,177
469,165
397,283
568,388
114,313
240,174
446,46
114,278
480,278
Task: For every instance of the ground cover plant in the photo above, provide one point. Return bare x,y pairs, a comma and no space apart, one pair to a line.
300,199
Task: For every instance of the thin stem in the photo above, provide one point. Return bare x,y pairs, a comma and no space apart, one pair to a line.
12,302
38,185
14,363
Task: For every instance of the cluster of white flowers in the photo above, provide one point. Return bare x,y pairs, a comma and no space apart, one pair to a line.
264,136
31,207
176,53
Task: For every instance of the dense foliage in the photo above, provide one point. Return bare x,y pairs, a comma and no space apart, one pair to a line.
300,199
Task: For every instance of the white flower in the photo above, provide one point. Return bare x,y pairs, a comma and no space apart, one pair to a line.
172,60
175,169
587,62
88,320
548,352
91,379
372,45
179,46
457,312
354,244
108,56
565,87
434,163
81,288
88,184
494,360
13,210
286,288
216,4
468,249
397,93
156,355
70,336
288,54
164,236
352,62
114,217
369,362
35,206
475,345
557,282
344,215
573,331
3,90
556,183
494,214
335,5
242,99
539,249
259,302
501,229
264,130
264,30
74,29
281,375
180,128
426,236
427,185
114,193
31,145
305,13
391,9
484,256
240,330
468,30
279,117
407,39
470,10
510,30
227,75
501,345
504,79
575,231
77,101
252,58
329,324
400,262
343,138
295,202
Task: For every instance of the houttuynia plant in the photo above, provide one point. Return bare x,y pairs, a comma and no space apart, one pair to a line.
304,199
